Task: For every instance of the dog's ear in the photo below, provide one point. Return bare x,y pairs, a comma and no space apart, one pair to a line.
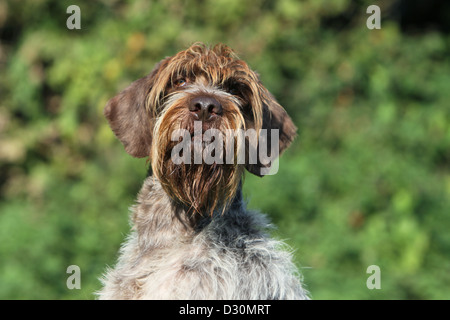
276,122
131,115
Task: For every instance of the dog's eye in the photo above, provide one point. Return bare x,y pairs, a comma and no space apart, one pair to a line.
235,88
180,82
234,91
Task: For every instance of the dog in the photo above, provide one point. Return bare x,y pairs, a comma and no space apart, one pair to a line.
192,235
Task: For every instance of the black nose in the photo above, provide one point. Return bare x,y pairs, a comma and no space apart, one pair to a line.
205,107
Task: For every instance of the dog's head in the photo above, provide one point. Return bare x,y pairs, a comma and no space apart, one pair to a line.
191,97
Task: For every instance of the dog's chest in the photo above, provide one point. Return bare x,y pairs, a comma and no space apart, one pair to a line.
190,270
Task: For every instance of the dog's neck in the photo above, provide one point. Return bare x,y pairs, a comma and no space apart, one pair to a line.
161,221
235,203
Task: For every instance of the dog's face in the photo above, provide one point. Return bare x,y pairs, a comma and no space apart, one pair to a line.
199,90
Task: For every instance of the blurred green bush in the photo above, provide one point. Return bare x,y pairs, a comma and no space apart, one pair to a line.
367,181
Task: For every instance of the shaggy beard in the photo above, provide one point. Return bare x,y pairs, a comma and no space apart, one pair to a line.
202,188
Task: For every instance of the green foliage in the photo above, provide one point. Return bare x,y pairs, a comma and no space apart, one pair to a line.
367,181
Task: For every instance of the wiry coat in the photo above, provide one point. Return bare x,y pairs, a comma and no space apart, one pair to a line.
192,236
226,256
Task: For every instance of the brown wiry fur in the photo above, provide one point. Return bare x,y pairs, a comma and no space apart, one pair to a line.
192,235
139,107
228,256
201,187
